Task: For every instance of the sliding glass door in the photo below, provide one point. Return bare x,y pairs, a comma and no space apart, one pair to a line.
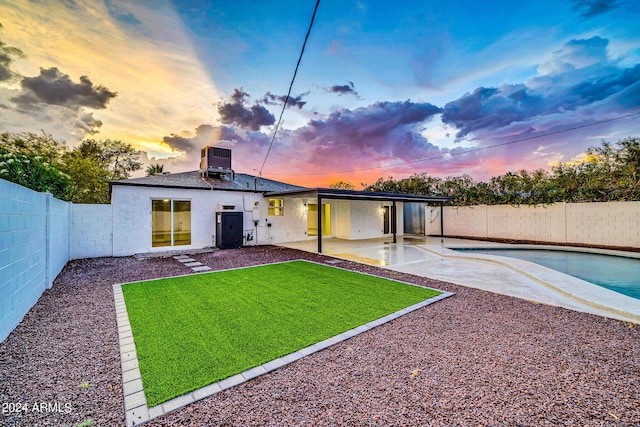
170,223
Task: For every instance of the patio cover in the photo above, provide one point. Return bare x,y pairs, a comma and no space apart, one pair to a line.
331,193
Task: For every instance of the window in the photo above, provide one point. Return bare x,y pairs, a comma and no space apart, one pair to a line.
276,207
170,223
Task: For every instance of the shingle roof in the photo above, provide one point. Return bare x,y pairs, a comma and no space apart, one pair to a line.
192,180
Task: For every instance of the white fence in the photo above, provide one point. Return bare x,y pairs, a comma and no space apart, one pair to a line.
615,224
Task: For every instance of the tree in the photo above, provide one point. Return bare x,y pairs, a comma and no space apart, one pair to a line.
382,185
82,175
117,157
90,178
342,185
32,144
92,164
156,169
35,173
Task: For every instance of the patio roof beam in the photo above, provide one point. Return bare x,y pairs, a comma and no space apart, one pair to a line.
319,223
441,219
394,222
329,193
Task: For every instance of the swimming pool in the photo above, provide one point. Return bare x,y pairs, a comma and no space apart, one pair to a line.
617,273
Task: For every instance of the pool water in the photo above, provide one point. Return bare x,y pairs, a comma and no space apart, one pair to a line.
617,273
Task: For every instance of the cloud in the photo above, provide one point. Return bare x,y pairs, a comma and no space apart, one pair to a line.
87,123
381,130
491,108
591,8
575,55
235,112
52,87
578,76
117,12
7,55
348,89
293,101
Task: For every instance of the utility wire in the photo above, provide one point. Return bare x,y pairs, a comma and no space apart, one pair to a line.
286,101
473,150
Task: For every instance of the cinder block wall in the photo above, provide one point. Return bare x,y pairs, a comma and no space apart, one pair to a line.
91,231
23,252
38,235
608,224
600,224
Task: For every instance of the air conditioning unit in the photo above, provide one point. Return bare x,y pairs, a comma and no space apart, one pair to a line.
215,161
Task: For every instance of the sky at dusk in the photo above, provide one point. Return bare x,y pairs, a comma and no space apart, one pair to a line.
383,89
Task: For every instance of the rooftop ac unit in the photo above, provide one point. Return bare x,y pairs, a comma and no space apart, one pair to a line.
215,160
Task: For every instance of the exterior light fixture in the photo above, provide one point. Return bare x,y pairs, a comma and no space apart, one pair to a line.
305,208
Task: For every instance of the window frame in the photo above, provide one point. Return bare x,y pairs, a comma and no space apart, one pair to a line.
275,207
172,226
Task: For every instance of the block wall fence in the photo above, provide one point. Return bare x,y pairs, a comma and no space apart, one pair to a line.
614,224
38,235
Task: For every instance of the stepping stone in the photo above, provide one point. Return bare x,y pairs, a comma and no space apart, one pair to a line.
202,268
183,260
181,256
193,264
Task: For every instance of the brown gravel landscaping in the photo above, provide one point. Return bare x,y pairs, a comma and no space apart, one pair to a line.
474,359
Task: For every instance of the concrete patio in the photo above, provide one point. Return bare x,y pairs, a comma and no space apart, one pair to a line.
433,257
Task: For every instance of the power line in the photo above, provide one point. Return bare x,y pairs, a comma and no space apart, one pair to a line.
473,150
295,72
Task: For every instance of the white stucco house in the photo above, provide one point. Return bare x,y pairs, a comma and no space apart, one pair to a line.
216,207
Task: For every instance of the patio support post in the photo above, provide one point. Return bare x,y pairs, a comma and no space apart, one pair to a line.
394,219
441,219
319,224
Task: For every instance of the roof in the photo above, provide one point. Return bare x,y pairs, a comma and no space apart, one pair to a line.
193,180
331,193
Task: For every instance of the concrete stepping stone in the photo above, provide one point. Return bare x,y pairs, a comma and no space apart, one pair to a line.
193,264
201,268
184,260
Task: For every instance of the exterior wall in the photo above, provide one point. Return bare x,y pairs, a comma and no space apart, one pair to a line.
290,227
602,224
23,252
367,219
91,233
132,216
343,219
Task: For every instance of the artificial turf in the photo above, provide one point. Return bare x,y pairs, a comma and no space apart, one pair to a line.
191,331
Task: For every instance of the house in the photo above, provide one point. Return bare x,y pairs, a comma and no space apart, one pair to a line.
217,207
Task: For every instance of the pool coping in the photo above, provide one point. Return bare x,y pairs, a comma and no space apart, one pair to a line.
546,276
135,403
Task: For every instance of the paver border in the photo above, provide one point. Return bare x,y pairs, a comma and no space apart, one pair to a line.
135,402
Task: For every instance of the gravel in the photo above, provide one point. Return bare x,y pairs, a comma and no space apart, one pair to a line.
474,359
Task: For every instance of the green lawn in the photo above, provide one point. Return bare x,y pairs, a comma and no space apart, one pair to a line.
194,330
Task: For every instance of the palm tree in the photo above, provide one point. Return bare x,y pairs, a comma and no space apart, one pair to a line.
156,169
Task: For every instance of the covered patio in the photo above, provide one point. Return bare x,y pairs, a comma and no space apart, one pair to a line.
320,194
